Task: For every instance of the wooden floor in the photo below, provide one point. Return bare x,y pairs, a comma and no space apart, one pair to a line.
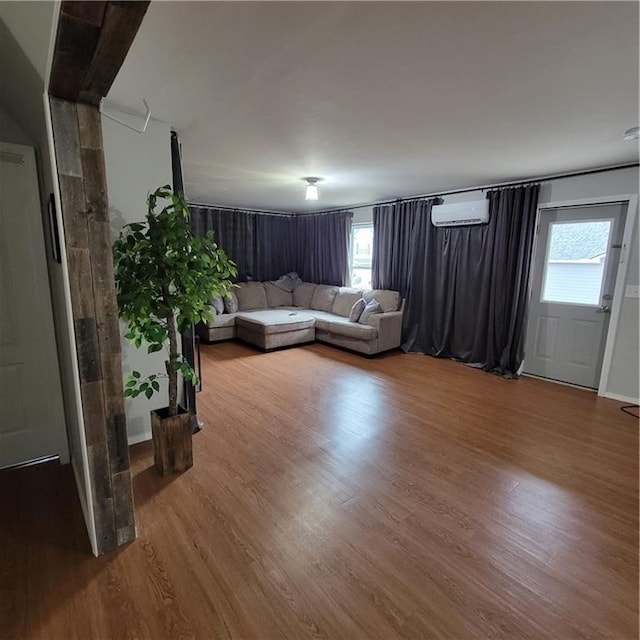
339,497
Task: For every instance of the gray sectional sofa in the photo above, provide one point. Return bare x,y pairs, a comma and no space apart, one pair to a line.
270,317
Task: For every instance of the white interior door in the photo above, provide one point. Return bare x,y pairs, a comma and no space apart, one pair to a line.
577,256
31,410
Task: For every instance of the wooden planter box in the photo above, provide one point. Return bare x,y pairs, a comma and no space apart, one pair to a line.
172,446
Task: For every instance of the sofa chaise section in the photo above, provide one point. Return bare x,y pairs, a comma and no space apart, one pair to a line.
275,328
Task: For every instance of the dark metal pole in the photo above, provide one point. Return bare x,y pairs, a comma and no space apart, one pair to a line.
188,337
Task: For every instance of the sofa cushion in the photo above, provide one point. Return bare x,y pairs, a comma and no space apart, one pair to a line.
303,293
251,295
223,320
231,303
343,327
277,297
217,305
323,297
389,300
270,321
322,318
356,310
344,301
372,308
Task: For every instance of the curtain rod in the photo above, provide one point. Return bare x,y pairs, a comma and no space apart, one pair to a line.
267,212
436,194
262,211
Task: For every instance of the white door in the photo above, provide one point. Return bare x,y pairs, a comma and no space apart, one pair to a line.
31,410
577,256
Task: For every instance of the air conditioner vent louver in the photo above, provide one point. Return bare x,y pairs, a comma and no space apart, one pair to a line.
461,213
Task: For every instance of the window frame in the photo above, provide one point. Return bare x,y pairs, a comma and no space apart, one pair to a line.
352,260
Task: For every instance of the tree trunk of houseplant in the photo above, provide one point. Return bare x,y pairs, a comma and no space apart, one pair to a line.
170,427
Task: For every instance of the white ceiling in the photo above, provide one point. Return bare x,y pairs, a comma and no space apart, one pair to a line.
383,99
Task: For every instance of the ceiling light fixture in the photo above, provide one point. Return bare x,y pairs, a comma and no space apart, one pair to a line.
632,134
312,189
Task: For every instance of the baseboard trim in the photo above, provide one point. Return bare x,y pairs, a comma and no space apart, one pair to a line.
616,396
564,384
141,437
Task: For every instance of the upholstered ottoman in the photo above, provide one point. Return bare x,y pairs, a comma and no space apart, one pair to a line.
273,328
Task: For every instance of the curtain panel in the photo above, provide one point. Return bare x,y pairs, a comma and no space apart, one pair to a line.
393,229
323,247
468,286
275,246
234,231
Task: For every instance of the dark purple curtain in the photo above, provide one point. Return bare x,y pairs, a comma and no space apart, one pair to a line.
322,244
234,231
467,295
393,230
275,246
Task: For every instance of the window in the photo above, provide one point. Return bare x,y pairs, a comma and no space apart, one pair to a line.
361,253
576,257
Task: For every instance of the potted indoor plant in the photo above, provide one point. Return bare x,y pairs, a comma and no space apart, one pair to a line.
165,279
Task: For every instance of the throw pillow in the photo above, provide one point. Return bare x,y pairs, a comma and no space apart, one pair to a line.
218,304
287,282
231,304
294,279
373,306
357,309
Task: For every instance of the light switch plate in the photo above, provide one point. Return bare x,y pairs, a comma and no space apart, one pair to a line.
632,291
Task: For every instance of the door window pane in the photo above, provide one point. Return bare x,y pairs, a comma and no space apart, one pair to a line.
575,262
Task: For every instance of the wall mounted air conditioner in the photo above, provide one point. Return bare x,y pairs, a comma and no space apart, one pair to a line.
461,213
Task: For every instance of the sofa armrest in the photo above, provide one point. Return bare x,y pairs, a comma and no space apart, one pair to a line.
389,326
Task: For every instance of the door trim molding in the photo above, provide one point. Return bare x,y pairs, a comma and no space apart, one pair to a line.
631,200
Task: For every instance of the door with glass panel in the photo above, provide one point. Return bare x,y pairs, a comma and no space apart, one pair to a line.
577,256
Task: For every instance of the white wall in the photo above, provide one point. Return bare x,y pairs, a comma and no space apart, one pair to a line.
363,214
136,164
28,24
624,379
11,131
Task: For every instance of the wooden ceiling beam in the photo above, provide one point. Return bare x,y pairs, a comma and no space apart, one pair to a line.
92,41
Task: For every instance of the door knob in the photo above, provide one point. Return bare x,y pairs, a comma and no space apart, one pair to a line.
604,309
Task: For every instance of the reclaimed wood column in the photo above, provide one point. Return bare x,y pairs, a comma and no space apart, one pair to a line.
92,41
79,155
